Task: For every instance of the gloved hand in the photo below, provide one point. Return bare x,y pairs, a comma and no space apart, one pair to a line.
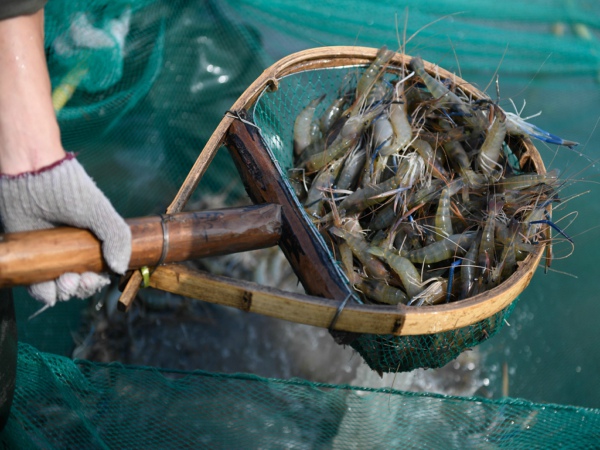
64,194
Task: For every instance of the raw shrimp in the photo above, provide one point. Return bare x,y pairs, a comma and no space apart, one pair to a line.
445,249
303,126
468,270
347,138
485,255
332,114
373,73
353,165
443,224
433,294
519,182
487,158
360,248
446,97
325,179
517,126
408,273
402,133
428,154
382,292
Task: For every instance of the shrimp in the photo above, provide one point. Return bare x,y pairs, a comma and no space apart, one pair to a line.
432,294
508,258
376,172
371,195
332,114
325,179
428,154
383,133
380,92
408,273
373,73
468,270
346,258
485,255
451,278
384,218
443,223
399,123
347,138
517,126
303,126
487,158
381,292
460,161
445,96
453,245
520,182
352,167
360,248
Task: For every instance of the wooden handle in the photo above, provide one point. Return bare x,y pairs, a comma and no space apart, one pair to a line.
32,257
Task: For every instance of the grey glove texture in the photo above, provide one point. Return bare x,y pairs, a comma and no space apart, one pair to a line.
64,194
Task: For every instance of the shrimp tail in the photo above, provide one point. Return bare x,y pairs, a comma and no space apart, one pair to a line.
517,126
451,278
553,225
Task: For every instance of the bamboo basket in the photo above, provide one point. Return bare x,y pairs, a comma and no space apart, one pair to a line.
249,149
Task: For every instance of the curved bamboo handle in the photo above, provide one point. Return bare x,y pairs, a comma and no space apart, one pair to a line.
32,257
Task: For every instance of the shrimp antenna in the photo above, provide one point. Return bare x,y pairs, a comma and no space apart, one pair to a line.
495,75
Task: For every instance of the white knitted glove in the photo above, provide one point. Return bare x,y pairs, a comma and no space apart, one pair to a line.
64,194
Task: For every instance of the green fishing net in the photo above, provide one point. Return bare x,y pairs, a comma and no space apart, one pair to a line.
77,404
154,78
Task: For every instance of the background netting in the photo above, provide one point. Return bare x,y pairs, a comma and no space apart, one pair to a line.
87,405
154,78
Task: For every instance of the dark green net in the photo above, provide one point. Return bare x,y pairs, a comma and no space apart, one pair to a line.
62,403
389,353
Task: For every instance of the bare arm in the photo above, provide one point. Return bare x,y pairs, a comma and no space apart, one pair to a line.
61,193
29,133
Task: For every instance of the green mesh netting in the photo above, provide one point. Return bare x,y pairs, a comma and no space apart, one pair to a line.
112,406
146,104
389,353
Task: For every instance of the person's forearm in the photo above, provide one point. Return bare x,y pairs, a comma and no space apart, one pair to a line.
29,133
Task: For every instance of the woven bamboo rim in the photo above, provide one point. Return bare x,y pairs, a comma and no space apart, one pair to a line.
398,320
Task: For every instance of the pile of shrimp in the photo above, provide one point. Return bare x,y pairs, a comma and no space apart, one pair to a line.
416,187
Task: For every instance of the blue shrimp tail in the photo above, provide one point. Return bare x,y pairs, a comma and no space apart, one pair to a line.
518,125
553,225
544,136
451,278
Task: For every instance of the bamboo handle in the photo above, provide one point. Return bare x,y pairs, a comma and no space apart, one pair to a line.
32,257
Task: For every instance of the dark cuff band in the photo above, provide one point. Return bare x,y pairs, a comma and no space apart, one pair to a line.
14,8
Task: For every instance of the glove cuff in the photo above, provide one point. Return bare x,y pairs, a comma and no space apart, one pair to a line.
67,157
64,194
